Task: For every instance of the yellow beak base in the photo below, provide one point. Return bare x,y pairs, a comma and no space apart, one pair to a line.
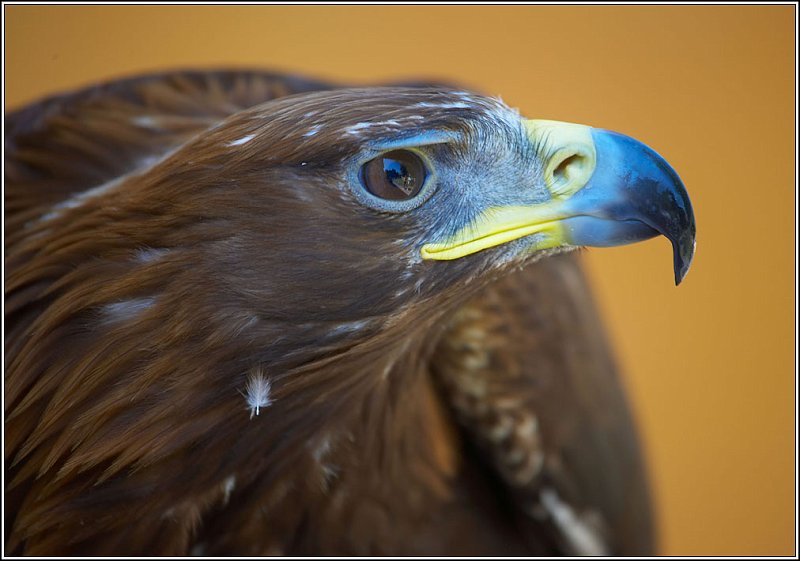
569,158
498,226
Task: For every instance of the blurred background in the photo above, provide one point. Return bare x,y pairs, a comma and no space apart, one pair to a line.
709,366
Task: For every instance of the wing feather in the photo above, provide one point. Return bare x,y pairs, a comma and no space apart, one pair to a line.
70,143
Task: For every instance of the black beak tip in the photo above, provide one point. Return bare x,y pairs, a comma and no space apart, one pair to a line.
683,251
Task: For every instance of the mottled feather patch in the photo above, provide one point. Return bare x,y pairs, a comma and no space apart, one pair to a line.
257,392
505,425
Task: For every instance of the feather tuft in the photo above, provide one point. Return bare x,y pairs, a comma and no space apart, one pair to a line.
257,392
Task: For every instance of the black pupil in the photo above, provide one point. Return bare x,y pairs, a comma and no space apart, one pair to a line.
397,175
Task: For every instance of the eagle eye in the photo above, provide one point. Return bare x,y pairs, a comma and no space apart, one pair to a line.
396,176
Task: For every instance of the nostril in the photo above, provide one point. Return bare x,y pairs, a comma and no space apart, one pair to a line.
571,167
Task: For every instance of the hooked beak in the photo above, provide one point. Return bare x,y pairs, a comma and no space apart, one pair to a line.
607,189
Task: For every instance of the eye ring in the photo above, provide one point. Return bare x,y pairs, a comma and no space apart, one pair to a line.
368,199
398,175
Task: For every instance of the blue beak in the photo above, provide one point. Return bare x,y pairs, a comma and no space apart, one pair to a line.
633,195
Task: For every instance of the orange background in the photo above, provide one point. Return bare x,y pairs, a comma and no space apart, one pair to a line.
709,365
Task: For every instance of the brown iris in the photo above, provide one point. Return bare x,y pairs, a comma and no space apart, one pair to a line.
396,175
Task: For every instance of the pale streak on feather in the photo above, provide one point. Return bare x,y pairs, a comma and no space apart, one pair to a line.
313,130
453,105
227,488
242,324
582,537
358,126
351,326
79,198
244,140
322,449
148,162
150,254
329,471
145,121
126,310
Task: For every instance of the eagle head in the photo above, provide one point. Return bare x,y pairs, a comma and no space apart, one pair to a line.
346,206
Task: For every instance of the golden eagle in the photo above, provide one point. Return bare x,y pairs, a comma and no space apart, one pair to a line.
249,313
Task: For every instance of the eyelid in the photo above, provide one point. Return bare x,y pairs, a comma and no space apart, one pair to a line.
417,140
